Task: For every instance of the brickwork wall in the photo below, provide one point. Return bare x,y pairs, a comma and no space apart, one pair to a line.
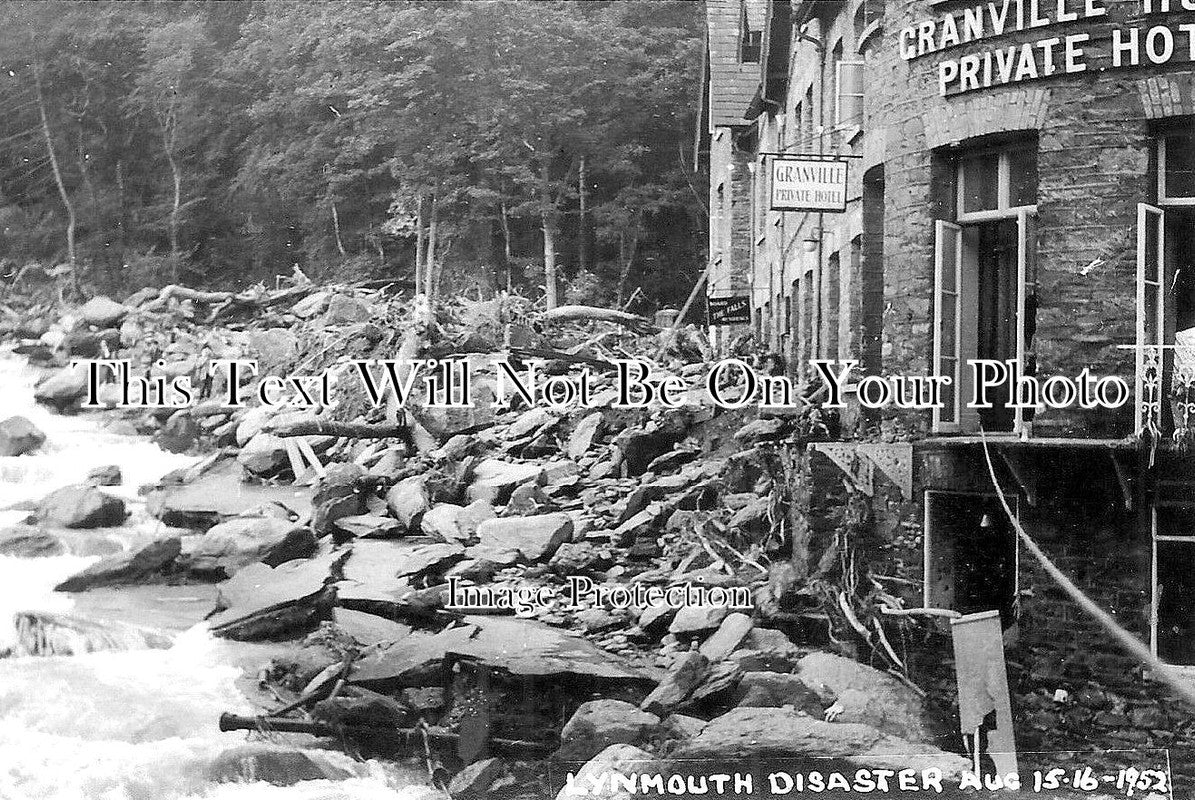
1094,143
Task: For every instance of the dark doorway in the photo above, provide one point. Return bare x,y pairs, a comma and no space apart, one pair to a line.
972,559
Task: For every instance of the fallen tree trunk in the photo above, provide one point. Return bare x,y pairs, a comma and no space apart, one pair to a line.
224,300
349,430
406,736
591,313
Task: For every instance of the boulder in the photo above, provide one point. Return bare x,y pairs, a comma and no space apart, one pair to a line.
311,305
697,619
407,500
107,475
262,603
179,434
264,454
442,522
357,706
102,312
81,507
474,781
729,635
682,726
879,700
776,690
264,763
654,620
130,566
592,780
239,542
494,480
275,349
25,541
750,733
529,422
343,309
19,436
600,723
767,649
62,388
534,538
368,526
583,435
688,672
472,515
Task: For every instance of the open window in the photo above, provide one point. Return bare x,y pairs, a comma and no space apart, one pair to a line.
970,554
985,284
1173,614
1165,331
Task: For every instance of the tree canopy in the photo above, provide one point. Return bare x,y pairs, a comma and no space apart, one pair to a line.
469,146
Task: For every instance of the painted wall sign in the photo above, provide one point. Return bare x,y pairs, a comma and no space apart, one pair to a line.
734,310
808,184
1124,46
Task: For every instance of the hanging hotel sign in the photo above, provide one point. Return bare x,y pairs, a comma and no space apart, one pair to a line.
733,310
1109,46
808,184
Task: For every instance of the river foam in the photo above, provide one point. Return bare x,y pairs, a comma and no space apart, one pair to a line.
135,725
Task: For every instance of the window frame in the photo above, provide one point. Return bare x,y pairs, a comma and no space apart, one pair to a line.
1163,198
927,539
860,64
1154,598
1003,209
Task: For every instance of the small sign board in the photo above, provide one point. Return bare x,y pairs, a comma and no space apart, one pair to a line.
732,310
808,184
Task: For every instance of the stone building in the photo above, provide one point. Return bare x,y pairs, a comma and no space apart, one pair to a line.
1020,186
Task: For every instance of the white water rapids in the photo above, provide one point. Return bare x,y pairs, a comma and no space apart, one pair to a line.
138,725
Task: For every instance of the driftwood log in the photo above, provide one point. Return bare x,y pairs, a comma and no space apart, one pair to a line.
349,430
223,301
404,736
592,313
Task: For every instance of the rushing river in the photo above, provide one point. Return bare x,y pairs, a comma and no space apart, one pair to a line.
138,725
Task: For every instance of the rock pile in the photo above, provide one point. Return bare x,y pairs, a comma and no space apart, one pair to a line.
481,569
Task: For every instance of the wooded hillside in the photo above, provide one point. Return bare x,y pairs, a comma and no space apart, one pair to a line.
467,145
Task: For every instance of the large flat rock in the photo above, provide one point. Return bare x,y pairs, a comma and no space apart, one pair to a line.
379,571
263,602
520,647
748,733
219,493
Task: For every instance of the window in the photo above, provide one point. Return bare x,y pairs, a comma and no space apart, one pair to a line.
1176,168
750,46
1173,617
1165,375
873,268
994,183
849,80
985,284
830,301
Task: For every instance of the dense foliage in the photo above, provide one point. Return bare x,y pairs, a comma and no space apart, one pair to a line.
467,145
